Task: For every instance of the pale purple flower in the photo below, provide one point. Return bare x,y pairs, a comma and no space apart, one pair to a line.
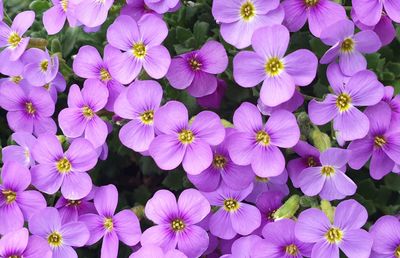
140,43
243,247
213,101
55,17
162,6
394,103
241,18
329,179
349,47
20,153
386,235
16,203
154,251
176,222
267,184
67,170
291,105
258,144
280,74
138,103
92,13
136,9
123,226
343,233
40,67
58,84
180,142
80,118
196,70
371,11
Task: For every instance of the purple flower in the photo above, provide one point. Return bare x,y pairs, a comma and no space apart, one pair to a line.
55,17
58,84
80,118
20,153
268,203
161,6
176,222
240,18
319,13
258,144
92,13
344,233
16,203
66,170
233,216
291,105
328,180
382,143
267,184
136,9
223,170
386,235
213,101
180,142
363,89
394,103
243,247
89,64
140,44
349,46
61,237
28,110
370,11
280,241
123,226
156,252
19,244
196,70
138,103
268,64
40,67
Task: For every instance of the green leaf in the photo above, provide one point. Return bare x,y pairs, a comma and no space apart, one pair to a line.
174,180
200,31
183,34
392,182
39,6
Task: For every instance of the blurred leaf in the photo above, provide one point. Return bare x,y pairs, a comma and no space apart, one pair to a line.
39,6
174,180
392,182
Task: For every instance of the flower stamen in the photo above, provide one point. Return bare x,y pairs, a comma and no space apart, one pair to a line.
231,205
347,45
147,117
186,136
219,161
14,39
55,239
343,102
178,225
10,196
139,50
274,67
292,250
263,138
334,235
247,11
63,166
327,170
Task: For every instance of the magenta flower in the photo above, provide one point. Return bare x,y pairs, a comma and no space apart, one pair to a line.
258,144
240,18
138,103
268,203
382,143
162,6
89,64
16,203
393,101
328,180
349,47
140,44
280,241
55,17
40,67
319,13
344,233
280,74
20,153
196,70
243,247
28,110
363,89
61,237
67,170
291,105
176,222
92,13
213,101
80,118
180,142
268,184
123,226
370,12
156,252
19,244
386,235
233,216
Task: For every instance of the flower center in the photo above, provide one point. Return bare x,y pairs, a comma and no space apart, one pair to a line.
263,138
54,239
147,117
347,45
219,161
64,5
74,203
292,249
178,225
63,165
186,136
379,141
44,65
195,64
139,50
247,11
14,256
104,75
311,3
343,102
16,79
14,39
108,224
334,235
397,252
270,215
274,66
47,86
87,112
30,108
311,162
327,170
9,195
231,205
262,179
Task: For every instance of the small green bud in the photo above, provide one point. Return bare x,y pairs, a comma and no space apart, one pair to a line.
139,211
320,140
327,208
288,209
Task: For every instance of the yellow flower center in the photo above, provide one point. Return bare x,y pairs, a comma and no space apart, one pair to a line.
219,161
108,224
274,66
74,202
327,170
262,179
14,256
194,64
63,165
263,138
139,50
14,39
347,45
311,3
292,250
87,112
47,86
30,108
343,102
311,162
379,141
44,65
9,195
186,136
334,235
16,79
104,75
64,5
177,225
247,11
54,239
147,117
397,252
231,205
